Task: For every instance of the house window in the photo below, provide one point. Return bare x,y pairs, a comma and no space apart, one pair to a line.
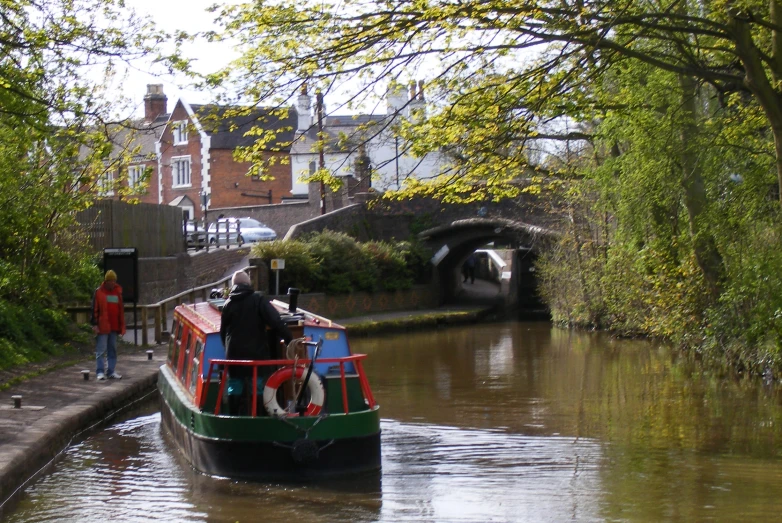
135,172
106,184
180,131
180,171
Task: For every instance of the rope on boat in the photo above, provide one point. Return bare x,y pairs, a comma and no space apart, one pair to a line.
304,450
292,353
301,429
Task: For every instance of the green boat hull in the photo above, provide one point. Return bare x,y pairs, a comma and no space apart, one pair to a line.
267,448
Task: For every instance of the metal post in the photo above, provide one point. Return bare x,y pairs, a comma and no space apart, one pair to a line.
396,159
158,324
144,320
135,324
321,147
277,286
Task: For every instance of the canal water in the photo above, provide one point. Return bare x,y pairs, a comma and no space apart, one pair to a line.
506,422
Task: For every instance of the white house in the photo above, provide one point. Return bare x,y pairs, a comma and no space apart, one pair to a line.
356,145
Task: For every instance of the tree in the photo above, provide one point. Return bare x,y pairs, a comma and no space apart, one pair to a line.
667,114
56,130
497,71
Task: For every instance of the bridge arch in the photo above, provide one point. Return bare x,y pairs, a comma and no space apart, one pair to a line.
454,241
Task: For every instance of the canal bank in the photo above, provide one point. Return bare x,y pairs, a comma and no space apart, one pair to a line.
60,407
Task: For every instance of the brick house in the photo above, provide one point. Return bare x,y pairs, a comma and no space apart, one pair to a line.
189,152
188,155
195,158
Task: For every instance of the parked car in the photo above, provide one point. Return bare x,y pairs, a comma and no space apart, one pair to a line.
239,230
195,235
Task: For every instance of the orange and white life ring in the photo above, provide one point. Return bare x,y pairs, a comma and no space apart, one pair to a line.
315,387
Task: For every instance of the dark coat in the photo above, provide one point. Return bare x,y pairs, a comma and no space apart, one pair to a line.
246,315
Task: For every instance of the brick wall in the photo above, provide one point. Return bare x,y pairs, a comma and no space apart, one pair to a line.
151,194
231,187
168,151
211,266
339,220
281,217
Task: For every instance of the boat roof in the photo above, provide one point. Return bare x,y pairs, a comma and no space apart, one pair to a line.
206,316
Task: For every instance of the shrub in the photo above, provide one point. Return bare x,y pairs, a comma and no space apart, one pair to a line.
336,263
342,265
300,265
389,262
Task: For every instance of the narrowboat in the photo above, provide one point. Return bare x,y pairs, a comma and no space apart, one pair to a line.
313,417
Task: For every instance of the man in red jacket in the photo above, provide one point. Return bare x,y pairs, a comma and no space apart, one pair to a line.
108,321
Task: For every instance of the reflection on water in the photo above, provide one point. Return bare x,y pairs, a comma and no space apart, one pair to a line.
504,422
435,473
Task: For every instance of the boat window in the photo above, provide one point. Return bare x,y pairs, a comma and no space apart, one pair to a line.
172,342
183,357
177,350
194,366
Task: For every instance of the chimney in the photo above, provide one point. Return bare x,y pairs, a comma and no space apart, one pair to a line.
303,109
416,101
155,102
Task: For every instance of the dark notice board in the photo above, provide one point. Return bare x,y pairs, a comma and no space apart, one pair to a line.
125,263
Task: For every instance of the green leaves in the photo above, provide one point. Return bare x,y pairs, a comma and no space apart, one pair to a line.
336,263
56,142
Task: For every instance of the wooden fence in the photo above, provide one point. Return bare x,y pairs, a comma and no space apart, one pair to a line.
155,230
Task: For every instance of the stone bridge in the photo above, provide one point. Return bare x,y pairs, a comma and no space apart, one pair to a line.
453,232
452,243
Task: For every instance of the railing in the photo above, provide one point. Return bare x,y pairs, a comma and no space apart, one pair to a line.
224,234
356,359
159,310
495,264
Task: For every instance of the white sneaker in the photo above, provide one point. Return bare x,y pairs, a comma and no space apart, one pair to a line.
101,376
115,376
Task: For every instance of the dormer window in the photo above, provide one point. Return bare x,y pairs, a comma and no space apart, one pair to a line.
180,132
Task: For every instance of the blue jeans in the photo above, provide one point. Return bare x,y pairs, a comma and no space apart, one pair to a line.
106,345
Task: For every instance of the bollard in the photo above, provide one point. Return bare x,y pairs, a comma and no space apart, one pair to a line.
149,355
17,402
86,375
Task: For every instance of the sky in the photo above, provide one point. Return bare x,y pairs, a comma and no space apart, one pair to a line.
171,16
